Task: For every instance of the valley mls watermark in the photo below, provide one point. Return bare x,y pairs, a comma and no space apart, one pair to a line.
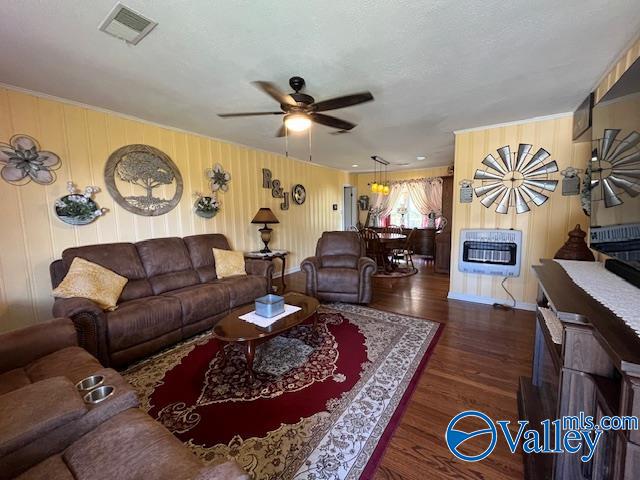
578,434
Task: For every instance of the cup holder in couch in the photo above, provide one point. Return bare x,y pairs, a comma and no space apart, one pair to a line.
90,383
99,394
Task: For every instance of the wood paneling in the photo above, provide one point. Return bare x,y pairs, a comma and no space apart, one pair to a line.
32,236
544,228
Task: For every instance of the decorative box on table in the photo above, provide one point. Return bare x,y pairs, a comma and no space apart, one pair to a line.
269,305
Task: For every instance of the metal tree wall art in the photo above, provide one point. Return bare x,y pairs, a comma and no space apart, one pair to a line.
615,168
23,161
150,173
219,178
78,208
517,180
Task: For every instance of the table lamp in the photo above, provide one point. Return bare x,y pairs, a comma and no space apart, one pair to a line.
266,216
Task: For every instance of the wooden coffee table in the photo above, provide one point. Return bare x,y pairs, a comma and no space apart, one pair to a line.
233,330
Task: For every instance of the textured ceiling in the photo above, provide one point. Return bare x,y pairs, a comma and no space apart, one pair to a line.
433,66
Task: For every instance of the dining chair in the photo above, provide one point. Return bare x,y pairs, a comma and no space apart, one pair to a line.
393,229
373,247
406,251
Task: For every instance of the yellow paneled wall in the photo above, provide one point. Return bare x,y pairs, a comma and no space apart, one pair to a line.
362,180
544,228
32,236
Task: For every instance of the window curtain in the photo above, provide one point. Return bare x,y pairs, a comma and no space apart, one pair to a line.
384,204
426,195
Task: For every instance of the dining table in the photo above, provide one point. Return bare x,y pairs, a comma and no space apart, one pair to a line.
389,241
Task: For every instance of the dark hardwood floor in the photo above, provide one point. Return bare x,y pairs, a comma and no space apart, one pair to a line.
475,365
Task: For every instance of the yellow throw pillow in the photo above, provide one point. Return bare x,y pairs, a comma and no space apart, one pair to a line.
228,263
87,280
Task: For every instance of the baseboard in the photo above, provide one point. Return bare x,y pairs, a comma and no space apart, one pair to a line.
489,300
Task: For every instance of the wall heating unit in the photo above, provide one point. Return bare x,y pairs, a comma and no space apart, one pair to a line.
490,252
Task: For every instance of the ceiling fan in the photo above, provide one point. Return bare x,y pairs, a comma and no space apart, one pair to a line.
300,109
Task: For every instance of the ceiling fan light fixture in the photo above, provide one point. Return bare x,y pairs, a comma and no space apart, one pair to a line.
297,122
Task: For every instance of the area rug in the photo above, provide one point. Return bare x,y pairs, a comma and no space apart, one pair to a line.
323,404
398,272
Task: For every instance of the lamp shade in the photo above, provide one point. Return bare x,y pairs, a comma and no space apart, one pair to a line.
265,215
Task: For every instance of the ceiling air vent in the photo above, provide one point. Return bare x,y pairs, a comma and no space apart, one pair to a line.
127,25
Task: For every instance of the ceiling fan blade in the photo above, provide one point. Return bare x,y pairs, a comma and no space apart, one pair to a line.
330,121
275,93
248,114
341,102
282,131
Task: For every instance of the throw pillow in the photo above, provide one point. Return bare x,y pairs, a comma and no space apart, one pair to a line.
88,280
228,263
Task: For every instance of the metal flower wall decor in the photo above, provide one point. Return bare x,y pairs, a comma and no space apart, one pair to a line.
517,179
23,161
219,178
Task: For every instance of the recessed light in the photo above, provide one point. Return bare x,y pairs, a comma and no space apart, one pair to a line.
421,157
355,165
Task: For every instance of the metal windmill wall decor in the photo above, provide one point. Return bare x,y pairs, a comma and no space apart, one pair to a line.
615,168
517,179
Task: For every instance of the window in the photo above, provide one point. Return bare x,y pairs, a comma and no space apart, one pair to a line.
412,217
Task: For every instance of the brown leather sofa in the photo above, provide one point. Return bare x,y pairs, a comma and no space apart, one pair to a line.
339,271
172,294
48,432
130,446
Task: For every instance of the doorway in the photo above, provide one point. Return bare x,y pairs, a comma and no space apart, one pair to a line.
350,210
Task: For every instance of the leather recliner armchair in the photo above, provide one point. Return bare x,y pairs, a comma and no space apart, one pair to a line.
339,271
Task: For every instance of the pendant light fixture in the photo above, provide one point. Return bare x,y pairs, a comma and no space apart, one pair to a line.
380,183
374,184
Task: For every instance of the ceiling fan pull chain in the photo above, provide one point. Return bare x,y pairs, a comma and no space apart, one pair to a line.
310,158
286,141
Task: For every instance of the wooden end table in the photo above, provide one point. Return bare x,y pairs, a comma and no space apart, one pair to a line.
233,330
281,254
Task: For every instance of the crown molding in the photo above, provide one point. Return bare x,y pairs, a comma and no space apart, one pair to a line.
543,118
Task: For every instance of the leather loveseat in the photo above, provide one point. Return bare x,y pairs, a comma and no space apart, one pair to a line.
48,432
172,294
339,271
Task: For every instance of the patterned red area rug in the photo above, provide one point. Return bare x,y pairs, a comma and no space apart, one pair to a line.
323,404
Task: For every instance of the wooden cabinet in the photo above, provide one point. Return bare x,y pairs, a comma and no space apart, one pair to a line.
595,369
443,239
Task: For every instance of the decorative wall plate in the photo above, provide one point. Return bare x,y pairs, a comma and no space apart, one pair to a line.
615,168
299,194
151,175
517,179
